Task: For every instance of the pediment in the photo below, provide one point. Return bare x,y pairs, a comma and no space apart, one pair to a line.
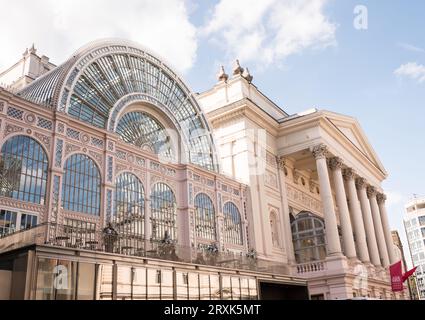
352,131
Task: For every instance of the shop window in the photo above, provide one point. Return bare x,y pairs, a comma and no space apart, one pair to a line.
86,281
193,286
139,284
204,286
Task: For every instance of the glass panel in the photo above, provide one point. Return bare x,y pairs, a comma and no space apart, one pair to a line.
182,280
236,288
193,286
45,279
245,289
139,284
23,170
215,286
144,131
66,280
253,289
7,222
86,281
154,284
129,211
226,288
232,224
308,238
204,288
28,221
81,185
163,212
124,279
167,285
105,278
205,225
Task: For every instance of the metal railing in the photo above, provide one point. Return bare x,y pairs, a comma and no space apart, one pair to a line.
109,241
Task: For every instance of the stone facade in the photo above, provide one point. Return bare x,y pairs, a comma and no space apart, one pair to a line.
275,168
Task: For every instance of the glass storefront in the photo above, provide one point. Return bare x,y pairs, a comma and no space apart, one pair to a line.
70,280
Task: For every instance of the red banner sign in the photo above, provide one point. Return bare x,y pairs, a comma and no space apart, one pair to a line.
396,277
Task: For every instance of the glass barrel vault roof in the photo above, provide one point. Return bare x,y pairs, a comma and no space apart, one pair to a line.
92,84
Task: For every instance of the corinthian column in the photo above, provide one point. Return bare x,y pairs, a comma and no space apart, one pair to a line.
356,216
380,238
381,198
332,238
368,222
344,215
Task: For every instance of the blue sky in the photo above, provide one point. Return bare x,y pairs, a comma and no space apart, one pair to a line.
355,77
302,54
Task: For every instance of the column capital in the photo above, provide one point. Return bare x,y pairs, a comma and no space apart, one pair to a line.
381,198
335,163
281,162
371,192
361,183
349,174
319,151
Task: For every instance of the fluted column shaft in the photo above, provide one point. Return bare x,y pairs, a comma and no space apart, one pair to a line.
344,215
379,231
368,222
332,238
356,216
381,198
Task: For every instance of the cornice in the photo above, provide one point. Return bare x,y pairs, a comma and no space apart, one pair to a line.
244,107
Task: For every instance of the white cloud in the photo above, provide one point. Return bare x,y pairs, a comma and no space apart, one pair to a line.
269,31
410,47
411,70
58,28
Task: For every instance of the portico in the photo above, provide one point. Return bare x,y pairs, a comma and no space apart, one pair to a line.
352,203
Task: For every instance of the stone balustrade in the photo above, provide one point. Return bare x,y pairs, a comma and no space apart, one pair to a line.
310,267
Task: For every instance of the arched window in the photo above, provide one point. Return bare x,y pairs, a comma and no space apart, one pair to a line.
129,204
81,185
274,227
144,131
232,224
23,170
204,217
308,234
163,212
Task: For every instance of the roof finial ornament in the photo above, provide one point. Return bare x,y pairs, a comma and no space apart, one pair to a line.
247,75
33,49
237,69
222,75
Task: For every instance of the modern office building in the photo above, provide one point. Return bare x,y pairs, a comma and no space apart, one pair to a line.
119,182
411,282
414,223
